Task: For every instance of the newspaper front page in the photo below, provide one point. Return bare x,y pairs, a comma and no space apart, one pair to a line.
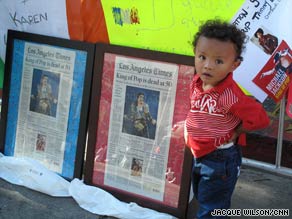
43,109
143,99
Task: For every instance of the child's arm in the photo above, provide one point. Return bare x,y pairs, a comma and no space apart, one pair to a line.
252,114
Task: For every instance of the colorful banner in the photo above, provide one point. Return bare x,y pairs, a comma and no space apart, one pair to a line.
166,26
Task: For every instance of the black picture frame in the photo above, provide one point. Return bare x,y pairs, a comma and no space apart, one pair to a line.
46,94
107,135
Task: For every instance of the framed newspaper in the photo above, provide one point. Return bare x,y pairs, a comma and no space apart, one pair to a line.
45,100
136,148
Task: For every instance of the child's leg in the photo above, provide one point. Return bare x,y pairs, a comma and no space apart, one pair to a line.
214,179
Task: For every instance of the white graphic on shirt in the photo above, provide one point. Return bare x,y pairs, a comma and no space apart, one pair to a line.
206,104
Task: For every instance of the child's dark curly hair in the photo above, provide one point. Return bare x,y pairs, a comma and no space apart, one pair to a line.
223,31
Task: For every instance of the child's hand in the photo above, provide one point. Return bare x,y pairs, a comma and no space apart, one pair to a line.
234,137
237,132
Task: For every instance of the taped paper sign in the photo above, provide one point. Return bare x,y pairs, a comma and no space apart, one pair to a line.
269,17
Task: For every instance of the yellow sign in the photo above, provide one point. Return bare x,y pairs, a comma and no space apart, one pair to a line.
162,25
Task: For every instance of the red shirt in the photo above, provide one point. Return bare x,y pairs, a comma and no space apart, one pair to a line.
215,114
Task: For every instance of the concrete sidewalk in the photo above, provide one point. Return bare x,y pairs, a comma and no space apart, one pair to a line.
256,189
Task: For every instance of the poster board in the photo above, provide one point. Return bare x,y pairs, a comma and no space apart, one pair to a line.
45,100
136,149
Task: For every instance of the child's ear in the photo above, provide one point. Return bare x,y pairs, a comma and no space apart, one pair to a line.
236,64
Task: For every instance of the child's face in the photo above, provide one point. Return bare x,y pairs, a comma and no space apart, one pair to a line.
214,60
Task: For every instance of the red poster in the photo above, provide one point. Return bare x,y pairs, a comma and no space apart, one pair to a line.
274,78
289,102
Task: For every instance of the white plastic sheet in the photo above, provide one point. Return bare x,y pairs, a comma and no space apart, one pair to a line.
30,173
101,202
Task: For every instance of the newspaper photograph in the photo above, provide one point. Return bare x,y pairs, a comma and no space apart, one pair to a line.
141,116
44,104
